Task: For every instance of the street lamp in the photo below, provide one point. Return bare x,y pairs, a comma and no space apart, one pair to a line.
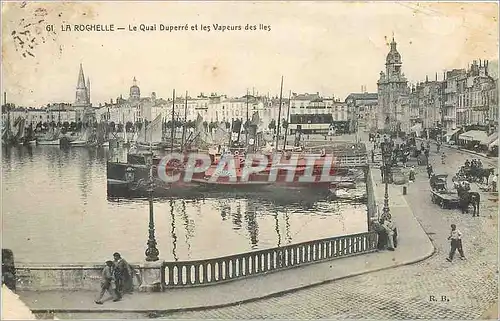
387,161
151,252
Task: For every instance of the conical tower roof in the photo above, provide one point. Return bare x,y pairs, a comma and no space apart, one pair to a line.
81,79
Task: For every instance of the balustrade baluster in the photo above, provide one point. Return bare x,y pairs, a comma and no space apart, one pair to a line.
212,272
220,271
248,261
234,262
179,275
197,274
170,275
205,273
243,266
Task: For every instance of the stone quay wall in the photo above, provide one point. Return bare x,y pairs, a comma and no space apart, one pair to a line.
72,277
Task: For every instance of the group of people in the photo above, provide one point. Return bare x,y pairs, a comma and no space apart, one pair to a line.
387,234
116,279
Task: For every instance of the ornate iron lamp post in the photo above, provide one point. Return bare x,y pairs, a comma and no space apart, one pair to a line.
387,162
151,252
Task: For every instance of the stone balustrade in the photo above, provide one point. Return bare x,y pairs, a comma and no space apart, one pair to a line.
232,267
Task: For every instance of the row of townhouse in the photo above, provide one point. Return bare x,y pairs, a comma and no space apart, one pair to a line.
58,113
220,108
464,98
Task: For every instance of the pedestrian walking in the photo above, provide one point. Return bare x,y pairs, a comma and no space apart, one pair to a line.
456,243
373,156
412,174
494,182
123,275
107,283
429,170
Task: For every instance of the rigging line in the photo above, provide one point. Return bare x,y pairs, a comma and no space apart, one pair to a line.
435,13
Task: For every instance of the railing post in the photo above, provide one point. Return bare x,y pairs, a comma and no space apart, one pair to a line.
163,284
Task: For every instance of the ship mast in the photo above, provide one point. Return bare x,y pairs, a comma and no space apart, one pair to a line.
246,124
279,115
287,119
172,124
185,120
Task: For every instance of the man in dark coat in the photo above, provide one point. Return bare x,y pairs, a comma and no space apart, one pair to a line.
123,274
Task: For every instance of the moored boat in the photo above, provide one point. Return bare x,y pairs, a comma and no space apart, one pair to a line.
54,142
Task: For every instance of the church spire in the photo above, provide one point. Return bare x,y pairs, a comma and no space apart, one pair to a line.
81,79
82,92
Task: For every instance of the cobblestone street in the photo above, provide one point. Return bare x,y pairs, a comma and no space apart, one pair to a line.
470,286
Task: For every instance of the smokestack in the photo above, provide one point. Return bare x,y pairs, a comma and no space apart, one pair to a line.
5,97
436,76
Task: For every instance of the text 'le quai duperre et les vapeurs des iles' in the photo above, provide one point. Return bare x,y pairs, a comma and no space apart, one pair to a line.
144,27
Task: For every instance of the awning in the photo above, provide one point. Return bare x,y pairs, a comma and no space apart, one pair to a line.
495,143
473,135
452,132
490,139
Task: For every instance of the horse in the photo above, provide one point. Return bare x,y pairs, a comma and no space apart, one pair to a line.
467,198
482,173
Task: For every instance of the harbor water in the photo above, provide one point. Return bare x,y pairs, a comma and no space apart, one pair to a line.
55,211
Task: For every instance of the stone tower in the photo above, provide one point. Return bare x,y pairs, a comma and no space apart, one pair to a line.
82,92
88,90
135,91
392,86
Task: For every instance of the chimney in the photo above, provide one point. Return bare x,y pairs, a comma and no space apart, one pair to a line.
436,76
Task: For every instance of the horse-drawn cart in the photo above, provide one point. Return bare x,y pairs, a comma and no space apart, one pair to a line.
440,194
445,199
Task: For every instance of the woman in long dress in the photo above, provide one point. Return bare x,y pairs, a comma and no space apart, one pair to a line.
124,274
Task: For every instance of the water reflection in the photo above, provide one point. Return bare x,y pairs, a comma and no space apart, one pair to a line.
277,228
236,217
172,231
287,228
252,225
66,217
188,225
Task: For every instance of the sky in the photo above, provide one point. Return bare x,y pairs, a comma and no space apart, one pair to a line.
332,48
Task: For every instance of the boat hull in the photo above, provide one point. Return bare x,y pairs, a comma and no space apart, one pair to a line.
78,143
54,142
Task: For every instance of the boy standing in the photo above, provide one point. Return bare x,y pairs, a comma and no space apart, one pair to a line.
456,243
106,283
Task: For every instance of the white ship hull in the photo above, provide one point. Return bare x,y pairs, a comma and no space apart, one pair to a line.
49,142
78,143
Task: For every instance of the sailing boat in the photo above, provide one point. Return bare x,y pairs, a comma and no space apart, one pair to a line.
126,143
50,138
29,138
151,137
7,135
82,139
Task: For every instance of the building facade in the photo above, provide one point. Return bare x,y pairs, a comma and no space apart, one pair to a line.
474,95
362,109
